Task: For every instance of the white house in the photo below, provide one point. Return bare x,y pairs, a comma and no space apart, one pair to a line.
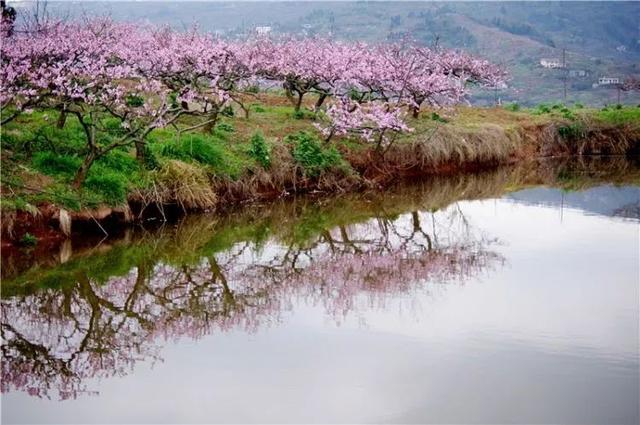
605,81
263,30
551,63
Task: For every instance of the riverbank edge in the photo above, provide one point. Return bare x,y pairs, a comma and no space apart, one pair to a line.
445,151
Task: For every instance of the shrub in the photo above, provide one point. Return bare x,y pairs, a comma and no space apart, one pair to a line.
298,115
542,109
308,152
258,108
56,164
260,151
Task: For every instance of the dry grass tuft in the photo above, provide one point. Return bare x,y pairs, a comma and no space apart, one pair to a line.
177,182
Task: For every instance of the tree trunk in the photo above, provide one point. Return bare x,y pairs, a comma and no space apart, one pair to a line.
81,174
62,118
213,118
320,101
415,111
140,154
298,102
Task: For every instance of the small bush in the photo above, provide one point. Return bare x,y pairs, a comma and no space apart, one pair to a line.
258,108
56,164
28,240
578,105
308,152
542,109
572,131
253,89
226,127
298,115
260,151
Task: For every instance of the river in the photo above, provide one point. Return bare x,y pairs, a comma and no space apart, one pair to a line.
500,297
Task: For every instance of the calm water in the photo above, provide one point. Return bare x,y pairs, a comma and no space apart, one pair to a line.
511,296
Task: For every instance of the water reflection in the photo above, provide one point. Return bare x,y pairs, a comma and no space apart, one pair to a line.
96,312
87,327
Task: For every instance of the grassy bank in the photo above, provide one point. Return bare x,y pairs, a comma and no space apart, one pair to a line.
272,152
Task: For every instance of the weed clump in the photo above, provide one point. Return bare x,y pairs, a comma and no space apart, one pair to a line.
28,240
260,151
312,156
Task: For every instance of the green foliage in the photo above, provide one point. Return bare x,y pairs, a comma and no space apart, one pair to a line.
111,185
436,117
227,111
572,131
513,107
56,164
312,156
260,151
209,150
578,105
619,116
119,160
567,114
28,240
298,115
226,127
134,100
194,147
542,108
258,108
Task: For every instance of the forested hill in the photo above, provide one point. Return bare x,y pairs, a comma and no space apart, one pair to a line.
599,38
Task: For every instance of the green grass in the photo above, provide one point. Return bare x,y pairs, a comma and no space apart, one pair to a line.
312,156
619,116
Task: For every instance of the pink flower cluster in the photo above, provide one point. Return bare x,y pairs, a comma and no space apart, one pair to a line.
107,65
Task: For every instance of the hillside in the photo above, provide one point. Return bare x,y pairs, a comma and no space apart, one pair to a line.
601,38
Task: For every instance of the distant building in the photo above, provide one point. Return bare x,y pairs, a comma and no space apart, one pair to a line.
578,73
621,48
605,81
263,30
551,63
